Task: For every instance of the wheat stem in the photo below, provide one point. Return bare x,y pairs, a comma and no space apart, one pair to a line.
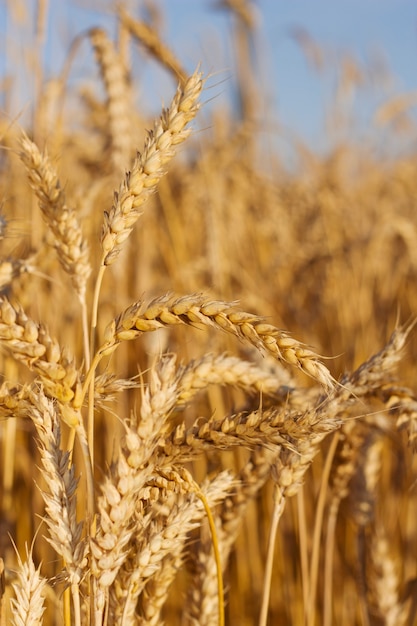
279,503
328,565
303,539
318,525
216,550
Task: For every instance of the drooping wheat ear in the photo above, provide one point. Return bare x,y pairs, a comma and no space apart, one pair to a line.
31,344
273,428
115,77
60,498
197,310
28,605
149,167
71,247
152,42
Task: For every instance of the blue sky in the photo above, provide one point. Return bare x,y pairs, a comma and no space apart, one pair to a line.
296,98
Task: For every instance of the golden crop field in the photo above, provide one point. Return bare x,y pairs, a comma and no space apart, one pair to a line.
208,360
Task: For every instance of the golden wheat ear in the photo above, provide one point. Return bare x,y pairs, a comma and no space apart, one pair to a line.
119,98
28,605
149,167
197,310
68,238
149,38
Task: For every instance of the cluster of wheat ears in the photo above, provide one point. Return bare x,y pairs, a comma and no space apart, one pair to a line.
221,472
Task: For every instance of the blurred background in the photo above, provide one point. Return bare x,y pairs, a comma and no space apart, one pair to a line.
323,69
295,195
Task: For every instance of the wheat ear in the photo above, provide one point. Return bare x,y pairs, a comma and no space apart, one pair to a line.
351,438
227,370
30,343
115,78
197,310
69,242
150,165
165,537
71,247
129,475
138,185
383,580
28,605
151,41
60,499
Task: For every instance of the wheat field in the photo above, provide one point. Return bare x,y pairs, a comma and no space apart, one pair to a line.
207,392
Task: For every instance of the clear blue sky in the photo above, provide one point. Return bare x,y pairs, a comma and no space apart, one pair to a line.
296,97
